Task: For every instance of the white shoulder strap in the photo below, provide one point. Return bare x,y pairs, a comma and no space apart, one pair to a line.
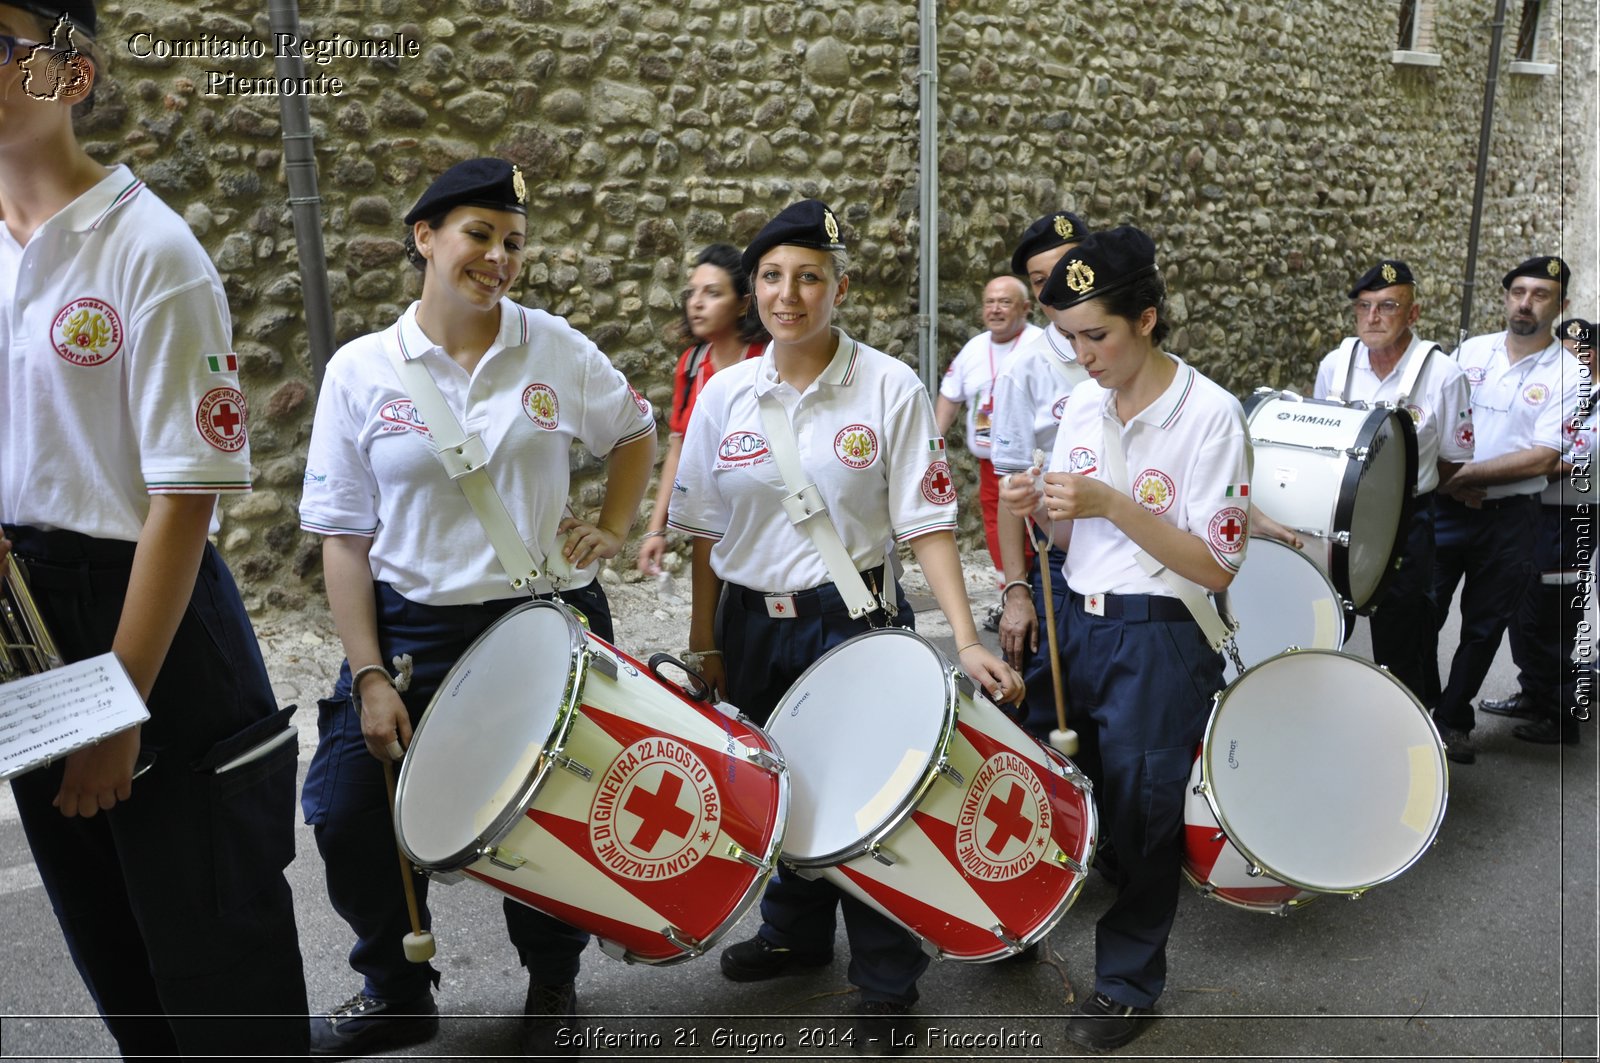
1191,594
1340,385
466,461
1413,371
1073,373
808,512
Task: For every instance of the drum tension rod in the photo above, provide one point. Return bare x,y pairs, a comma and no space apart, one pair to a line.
506,859
1012,943
951,772
683,941
1069,863
761,758
739,852
563,761
880,854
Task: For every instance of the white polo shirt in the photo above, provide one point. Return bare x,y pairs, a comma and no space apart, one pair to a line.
371,469
1030,395
1440,403
1188,456
119,380
971,379
1515,407
867,438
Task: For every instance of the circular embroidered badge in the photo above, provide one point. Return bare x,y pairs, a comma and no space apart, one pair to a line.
1464,434
1003,828
1081,460
86,332
1060,408
1476,374
656,811
1535,394
639,401
1416,413
220,418
539,403
937,487
1227,530
1153,489
856,445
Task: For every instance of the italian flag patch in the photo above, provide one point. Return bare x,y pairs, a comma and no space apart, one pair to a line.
223,363
1237,491
936,445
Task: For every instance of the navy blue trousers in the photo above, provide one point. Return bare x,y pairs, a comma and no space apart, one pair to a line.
346,802
174,904
1546,625
1144,688
1492,549
764,657
1405,624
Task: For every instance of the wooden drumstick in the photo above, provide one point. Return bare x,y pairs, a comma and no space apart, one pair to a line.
1064,739
418,944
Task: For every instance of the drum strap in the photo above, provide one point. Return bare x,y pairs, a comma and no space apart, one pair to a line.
1414,364
1068,369
466,461
808,512
1218,632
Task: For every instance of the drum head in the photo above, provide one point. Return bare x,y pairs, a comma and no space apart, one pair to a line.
1282,599
1379,505
860,731
474,757
1325,771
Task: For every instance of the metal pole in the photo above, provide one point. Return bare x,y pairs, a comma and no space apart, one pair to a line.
1498,27
300,167
928,199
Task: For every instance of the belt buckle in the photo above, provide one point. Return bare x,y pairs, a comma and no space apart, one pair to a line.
1094,604
780,606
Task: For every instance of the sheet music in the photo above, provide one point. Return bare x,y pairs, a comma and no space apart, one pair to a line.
49,715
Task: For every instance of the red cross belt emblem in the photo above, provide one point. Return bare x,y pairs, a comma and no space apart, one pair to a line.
1008,820
659,813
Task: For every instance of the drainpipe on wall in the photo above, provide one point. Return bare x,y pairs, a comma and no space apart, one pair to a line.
1498,27
300,167
928,199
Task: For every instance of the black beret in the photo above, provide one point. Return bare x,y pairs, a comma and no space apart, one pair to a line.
1390,271
808,223
1103,263
1576,328
81,12
1545,267
1052,230
492,183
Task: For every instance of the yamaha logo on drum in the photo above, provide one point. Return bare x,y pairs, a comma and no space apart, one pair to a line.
1306,418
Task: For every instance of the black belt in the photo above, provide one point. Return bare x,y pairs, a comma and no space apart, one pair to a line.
1136,607
1494,503
813,601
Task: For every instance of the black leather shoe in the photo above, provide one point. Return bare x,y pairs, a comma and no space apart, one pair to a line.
1102,1024
1546,732
1457,745
550,1020
759,959
1518,705
882,1028
365,1026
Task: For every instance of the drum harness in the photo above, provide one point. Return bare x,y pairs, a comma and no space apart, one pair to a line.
1408,379
1216,624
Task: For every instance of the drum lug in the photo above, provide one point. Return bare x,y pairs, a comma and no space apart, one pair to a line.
505,859
684,942
1219,836
762,758
1069,863
1254,870
880,854
1357,453
602,664
1340,538
951,772
613,949
1200,789
739,852
933,951
1012,944
564,761
1356,896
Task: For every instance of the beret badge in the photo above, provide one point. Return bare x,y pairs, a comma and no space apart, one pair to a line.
830,225
1063,227
1553,267
1080,278
519,185
1575,330
1388,273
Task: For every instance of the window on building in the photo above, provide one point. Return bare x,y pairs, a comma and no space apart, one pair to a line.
1416,46
1408,26
1528,32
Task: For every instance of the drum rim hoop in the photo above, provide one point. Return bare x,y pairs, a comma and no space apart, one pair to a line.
930,773
579,655
1206,774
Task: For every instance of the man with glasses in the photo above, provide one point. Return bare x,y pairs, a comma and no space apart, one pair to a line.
971,379
1386,362
1524,391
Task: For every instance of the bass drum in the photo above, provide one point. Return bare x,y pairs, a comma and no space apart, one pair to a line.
1343,477
1282,600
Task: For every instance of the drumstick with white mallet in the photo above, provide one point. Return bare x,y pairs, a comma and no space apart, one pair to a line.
1063,739
418,944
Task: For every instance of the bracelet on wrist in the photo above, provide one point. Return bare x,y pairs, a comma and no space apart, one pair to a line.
654,533
1016,583
963,649
362,672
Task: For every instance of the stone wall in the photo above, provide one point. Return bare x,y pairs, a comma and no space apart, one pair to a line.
1272,150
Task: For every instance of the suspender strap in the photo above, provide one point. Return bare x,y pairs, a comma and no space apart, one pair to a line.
1415,362
466,461
1191,594
808,512
1340,385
